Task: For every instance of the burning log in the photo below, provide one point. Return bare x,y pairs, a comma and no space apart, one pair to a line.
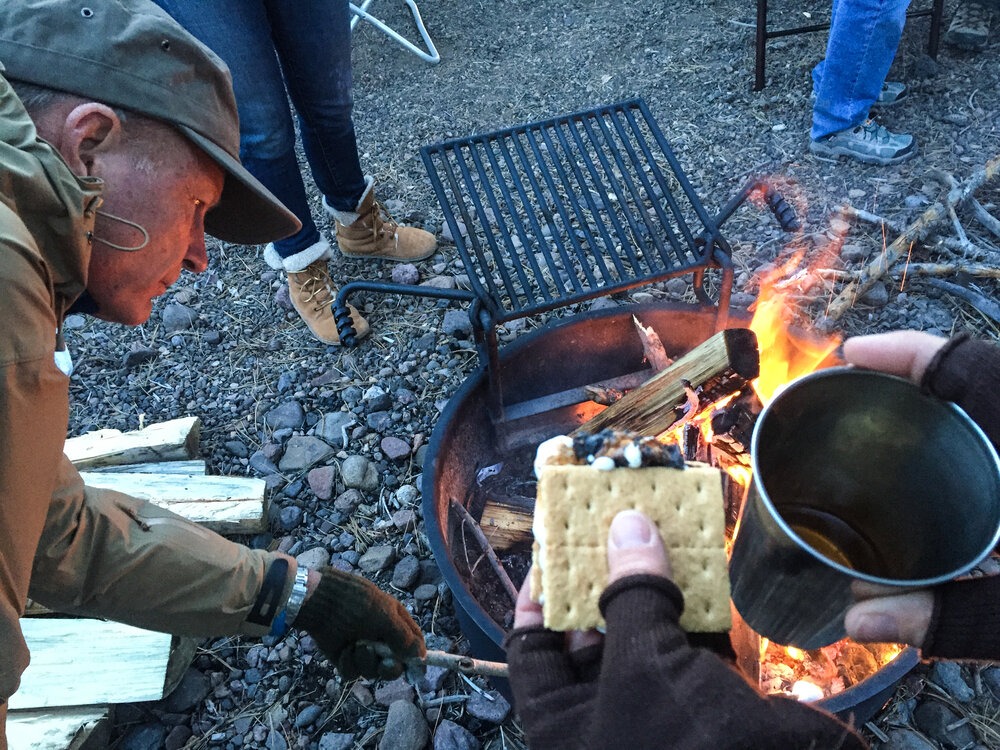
506,521
720,366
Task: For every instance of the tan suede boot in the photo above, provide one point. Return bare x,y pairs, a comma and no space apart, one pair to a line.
311,290
367,233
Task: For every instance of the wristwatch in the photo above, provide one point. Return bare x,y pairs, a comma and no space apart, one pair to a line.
298,595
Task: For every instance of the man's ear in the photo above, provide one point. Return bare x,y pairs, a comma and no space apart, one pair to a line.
89,131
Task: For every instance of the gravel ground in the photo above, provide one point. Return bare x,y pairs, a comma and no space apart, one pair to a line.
225,346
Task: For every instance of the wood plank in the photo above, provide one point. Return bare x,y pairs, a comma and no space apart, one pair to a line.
59,729
164,441
82,662
234,505
193,466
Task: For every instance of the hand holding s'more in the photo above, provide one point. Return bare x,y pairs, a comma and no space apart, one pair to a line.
583,483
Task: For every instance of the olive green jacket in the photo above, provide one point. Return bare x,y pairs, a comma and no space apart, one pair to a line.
76,549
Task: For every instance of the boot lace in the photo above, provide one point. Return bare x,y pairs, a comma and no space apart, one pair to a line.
382,221
316,286
872,131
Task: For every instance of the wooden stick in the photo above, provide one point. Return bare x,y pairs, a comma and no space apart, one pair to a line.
985,218
495,563
465,664
923,269
900,247
176,439
721,365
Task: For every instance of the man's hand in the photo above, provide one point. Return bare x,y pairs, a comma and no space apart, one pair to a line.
362,629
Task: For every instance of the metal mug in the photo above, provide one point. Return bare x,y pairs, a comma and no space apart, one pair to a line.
857,476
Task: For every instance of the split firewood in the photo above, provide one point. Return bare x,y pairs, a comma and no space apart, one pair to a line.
506,521
652,347
901,245
229,505
177,439
722,365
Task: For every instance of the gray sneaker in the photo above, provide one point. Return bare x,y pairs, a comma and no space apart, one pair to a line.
868,142
970,26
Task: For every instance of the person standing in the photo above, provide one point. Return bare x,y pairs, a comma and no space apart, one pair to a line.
851,79
276,51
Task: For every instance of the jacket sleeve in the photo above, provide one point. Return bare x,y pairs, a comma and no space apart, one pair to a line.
967,613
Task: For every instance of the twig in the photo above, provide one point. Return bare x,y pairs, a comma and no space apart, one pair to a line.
985,218
986,306
477,532
465,664
900,247
859,213
920,269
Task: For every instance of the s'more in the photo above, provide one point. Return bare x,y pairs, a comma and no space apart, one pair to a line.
583,483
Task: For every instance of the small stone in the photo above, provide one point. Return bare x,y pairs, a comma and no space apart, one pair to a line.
405,519
405,728
303,451
358,472
394,448
314,558
139,356
406,573
425,593
212,338
377,558
336,741
177,318
289,517
877,296
452,736
321,481
457,324
237,448
308,715
907,739
332,427
405,273
362,694
490,707
287,415
396,690
948,674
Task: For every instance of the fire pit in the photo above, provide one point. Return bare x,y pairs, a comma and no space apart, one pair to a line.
467,447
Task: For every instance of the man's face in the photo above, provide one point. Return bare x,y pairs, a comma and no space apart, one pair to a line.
166,185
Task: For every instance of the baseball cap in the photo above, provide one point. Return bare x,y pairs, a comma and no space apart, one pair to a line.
131,54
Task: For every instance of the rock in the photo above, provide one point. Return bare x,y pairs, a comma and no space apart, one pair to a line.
303,451
308,715
433,679
446,231
452,736
177,737
425,593
149,736
289,517
333,427
260,462
376,399
348,501
178,318
190,691
405,728
405,273
377,558
237,448
405,519
934,719
406,573
321,481
359,473
336,741
457,324
314,558
490,707
877,296
991,679
394,448
139,356
407,494
287,415
907,739
948,674
397,690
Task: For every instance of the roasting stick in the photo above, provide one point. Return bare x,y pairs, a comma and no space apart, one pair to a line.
465,664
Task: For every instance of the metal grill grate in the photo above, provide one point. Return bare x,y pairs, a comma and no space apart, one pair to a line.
571,208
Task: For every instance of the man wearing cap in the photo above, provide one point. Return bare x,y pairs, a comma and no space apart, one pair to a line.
118,151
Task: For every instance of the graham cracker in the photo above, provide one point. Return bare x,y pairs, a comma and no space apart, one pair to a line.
573,512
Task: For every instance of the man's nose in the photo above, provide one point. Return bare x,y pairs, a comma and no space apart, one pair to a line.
196,259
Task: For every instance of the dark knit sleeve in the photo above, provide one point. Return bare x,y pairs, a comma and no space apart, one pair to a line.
964,623
967,372
658,690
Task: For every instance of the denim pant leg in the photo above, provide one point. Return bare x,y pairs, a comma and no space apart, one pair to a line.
864,37
313,40
239,32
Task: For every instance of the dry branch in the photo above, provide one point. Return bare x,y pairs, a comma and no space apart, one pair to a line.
901,245
470,523
465,664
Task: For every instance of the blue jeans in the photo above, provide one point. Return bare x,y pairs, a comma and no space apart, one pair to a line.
864,36
276,50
